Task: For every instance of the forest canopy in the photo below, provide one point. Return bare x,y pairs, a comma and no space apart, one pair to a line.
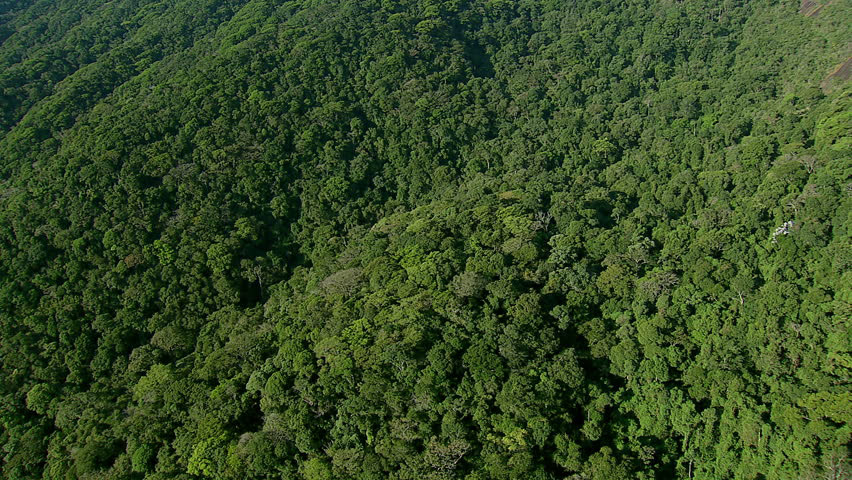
432,239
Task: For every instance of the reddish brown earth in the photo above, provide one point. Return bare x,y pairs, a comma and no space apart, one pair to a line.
809,8
839,75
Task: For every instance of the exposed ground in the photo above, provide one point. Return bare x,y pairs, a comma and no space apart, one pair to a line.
838,75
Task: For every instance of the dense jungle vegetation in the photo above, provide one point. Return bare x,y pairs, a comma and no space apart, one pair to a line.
431,239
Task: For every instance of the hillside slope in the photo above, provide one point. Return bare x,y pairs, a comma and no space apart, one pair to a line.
435,239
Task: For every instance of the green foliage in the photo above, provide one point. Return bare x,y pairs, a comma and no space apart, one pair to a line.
207,457
440,239
39,398
141,458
